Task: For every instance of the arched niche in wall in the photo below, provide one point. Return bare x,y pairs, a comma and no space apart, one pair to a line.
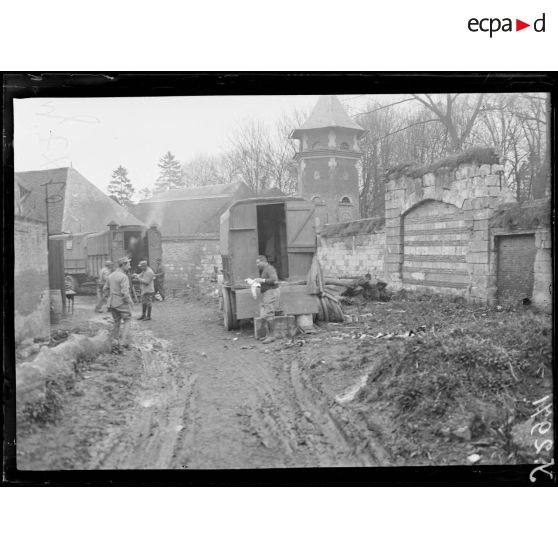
345,210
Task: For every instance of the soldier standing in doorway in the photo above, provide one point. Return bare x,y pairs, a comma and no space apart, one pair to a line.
270,296
117,289
146,279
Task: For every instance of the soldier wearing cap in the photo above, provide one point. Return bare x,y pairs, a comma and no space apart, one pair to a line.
146,279
117,289
101,281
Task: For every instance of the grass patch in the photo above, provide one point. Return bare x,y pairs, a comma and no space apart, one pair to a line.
479,155
474,367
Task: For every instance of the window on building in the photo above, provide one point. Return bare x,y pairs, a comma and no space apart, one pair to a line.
344,146
317,145
345,200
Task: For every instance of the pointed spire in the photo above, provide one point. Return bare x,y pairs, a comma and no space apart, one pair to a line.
328,113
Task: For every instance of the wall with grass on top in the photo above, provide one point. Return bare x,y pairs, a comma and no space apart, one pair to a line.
437,224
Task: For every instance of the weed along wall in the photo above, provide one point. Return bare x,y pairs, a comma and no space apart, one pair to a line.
437,224
31,287
353,249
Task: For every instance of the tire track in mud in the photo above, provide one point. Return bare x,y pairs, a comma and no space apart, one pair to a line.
150,438
205,401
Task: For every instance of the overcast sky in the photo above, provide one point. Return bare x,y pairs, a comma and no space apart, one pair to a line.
96,135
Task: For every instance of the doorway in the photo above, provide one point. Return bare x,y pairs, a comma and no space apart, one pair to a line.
272,237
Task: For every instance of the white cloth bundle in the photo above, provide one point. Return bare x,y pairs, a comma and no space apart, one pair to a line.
254,286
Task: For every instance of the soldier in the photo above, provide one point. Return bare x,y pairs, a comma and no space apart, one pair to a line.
145,278
101,280
270,296
160,278
117,289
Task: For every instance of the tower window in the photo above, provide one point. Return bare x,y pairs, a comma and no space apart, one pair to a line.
346,200
345,146
317,145
318,200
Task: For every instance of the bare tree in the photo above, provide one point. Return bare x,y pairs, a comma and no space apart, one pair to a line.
263,157
205,170
457,112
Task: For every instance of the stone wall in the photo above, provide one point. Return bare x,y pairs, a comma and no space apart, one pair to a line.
190,262
31,288
353,249
437,223
516,221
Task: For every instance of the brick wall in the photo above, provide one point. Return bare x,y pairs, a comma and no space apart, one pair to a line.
442,234
515,265
353,250
31,287
190,262
452,252
521,242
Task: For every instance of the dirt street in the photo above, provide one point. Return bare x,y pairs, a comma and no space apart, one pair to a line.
412,381
192,395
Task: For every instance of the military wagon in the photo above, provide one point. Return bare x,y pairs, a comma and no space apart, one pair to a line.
85,254
283,229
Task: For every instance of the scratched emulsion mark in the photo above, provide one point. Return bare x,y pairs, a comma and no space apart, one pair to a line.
542,437
52,155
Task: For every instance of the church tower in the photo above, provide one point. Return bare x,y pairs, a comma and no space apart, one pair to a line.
327,161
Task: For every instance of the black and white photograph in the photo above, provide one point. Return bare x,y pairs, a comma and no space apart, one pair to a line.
272,281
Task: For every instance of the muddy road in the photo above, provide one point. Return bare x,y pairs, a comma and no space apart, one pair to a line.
191,395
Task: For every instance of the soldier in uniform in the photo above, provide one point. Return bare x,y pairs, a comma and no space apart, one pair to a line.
117,289
270,296
146,278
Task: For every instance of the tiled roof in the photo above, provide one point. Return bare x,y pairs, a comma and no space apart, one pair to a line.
76,205
328,113
213,191
193,211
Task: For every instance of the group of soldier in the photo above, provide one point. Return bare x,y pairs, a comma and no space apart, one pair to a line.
114,289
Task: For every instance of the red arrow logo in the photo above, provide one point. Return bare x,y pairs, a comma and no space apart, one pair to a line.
519,25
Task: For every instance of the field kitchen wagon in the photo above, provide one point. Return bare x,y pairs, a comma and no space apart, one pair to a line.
85,254
282,229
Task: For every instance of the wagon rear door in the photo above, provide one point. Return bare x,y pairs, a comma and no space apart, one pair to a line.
243,243
301,238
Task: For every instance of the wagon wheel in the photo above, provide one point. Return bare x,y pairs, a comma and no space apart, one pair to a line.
229,318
